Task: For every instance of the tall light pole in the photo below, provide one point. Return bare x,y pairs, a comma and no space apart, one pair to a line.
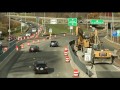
87,22
21,24
44,23
9,25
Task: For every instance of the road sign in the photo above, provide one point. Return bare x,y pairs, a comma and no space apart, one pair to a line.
114,33
50,30
22,24
118,33
87,57
53,21
96,21
9,30
72,21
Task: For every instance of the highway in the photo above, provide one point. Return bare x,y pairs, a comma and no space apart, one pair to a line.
21,65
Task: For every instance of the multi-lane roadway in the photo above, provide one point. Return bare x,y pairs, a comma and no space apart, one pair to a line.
21,65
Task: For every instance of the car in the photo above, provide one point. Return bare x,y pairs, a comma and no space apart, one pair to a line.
54,44
28,34
34,48
40,67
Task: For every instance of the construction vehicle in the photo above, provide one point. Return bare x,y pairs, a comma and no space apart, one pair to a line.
83,40
100,54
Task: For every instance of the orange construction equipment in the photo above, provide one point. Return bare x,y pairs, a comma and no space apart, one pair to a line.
22,46
16,48
67,59
76,73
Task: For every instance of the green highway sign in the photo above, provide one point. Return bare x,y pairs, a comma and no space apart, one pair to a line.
118,32
96,21
72,21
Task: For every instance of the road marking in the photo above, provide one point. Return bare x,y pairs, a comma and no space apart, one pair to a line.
116,67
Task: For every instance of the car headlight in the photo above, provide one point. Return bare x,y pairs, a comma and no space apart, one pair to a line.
37,68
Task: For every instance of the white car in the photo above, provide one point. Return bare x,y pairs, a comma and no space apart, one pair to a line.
28,34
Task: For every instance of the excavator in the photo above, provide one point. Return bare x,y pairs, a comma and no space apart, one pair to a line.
99,53
83,40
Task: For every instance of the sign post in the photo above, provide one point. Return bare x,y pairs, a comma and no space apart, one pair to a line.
50,32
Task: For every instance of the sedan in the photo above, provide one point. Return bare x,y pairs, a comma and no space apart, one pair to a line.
34,48
54,44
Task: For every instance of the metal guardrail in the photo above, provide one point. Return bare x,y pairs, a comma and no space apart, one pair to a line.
10,49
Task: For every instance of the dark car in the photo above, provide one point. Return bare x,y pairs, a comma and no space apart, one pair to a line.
54,44
40,67
34,48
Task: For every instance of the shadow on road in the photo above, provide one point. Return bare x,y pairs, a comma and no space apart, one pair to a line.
50,70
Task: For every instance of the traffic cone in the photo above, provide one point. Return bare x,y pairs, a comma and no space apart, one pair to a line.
76,73
22,46
66,49
5,49
16,48
66,53
28,44
67,59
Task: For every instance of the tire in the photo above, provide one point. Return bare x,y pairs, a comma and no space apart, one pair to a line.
111,60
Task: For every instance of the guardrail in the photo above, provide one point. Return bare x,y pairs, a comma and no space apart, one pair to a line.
76,60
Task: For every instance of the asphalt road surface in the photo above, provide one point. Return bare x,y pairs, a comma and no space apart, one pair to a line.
21,65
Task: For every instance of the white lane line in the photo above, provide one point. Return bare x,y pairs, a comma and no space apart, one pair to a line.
116,67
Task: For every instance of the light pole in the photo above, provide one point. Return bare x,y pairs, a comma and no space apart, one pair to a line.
87,22
9,25
44,24
21,24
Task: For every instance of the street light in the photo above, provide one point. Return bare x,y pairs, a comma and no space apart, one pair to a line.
87,22
44,24
9,26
